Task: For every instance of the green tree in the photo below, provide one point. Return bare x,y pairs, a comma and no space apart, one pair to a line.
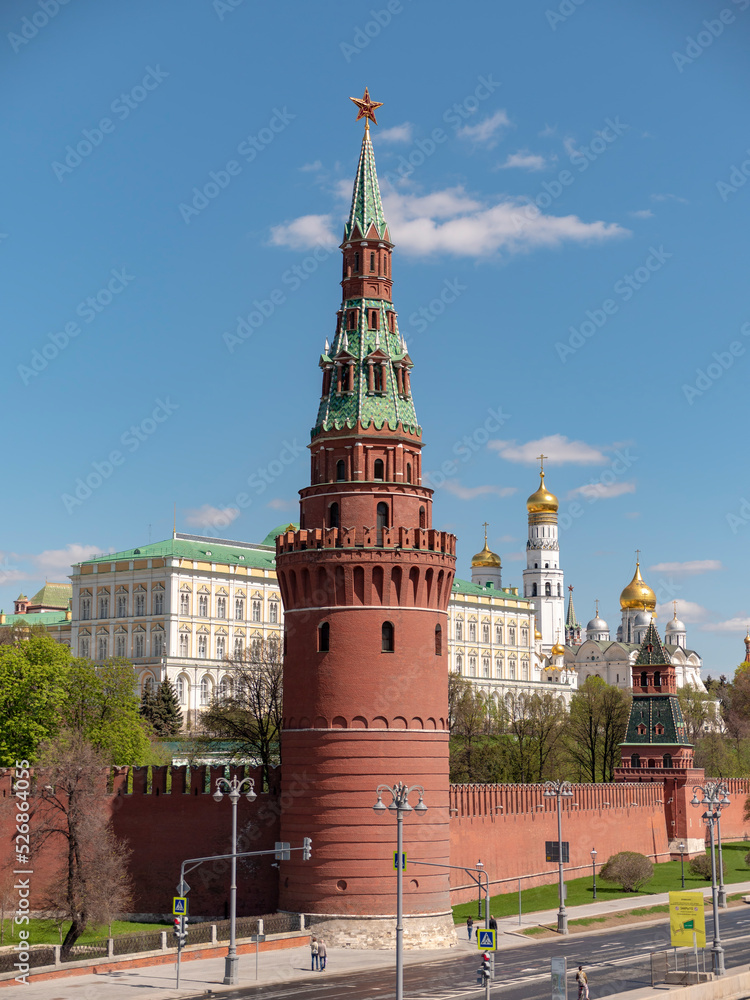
596,726
534,726
32,692
475,747
167,712
698,711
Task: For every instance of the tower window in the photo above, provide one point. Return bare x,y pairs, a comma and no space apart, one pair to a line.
644,679
356,263
382,520
667,760
548,590
324,637
559,590
533,590
438,641
657,679
333,516
422,516
408,472
386,644
635,760
379,473
341,470
372,261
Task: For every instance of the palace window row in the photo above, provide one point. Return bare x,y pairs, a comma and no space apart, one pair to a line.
121,605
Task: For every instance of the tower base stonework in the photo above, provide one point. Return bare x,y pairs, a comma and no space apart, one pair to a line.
421,930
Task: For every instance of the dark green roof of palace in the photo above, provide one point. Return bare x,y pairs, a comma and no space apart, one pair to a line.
35,618
466,587
199,551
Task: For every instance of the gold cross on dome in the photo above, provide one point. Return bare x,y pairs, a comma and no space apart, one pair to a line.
485,526
674,605
597,607
367,108
541,458
638,556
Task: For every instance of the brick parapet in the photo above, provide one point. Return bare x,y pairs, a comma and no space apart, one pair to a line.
411,540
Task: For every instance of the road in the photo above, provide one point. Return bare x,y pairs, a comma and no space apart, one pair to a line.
615,961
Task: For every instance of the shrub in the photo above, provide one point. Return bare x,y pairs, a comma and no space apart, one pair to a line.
701,866
629,870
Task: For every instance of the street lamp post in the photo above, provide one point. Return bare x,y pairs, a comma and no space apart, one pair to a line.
560,790
681,849
400,805
593,867
714,797
234,789
481,871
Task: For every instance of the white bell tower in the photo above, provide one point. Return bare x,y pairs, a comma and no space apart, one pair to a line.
543,581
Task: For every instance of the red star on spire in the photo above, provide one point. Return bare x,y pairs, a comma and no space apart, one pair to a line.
367,108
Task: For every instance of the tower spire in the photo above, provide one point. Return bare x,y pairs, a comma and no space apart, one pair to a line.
747,646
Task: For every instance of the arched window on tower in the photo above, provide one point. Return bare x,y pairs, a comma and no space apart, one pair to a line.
378,471
386,644
635,760
372,261
657,679
644,679
341,470
356,263
324,637
438,641
533,590
382,516
667,760
422,517
559,590
548,590
408,472
333,516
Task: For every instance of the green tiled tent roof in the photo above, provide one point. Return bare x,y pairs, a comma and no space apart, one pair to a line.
367,208
654,710
53,595
652,653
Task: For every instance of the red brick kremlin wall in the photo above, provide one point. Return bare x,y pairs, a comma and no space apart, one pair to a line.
504,826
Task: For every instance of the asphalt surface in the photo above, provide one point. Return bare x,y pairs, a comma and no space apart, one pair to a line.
615,961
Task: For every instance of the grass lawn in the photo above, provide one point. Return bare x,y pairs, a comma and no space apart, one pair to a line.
46,931
666,879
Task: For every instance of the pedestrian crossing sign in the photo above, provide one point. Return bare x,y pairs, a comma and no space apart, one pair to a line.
486,939
179,906
403,861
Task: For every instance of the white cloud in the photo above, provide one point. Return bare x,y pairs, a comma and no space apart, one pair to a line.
669,197
687,568
737,624
603,491
487,131
569,145
507,538
453,222
398,133
454,487
548,130
687,611
57,562
515,556
642,213
211,517
632,514
558,449
524,160
305,232
312,167
278,503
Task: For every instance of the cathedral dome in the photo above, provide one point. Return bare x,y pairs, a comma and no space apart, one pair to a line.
597,625
538,636
542,501
675,625
486,558
557,650
638,594
642,619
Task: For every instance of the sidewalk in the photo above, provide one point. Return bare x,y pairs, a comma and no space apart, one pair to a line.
198,976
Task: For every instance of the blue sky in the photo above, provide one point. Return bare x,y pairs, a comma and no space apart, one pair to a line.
566,191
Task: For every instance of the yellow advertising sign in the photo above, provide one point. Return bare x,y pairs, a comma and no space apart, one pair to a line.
687,918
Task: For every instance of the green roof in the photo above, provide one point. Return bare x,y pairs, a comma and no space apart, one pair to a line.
37,618
270,538
55,595
465,587
652,652
367,208
198,550
652,710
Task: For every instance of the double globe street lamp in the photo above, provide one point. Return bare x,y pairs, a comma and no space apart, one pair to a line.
400,806
234,789
560,790
714,798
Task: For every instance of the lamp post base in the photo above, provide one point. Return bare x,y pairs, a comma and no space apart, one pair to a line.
562,922
718,960
723,897
231,970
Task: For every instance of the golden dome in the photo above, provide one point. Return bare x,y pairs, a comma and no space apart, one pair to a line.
638,594
538,635
486,558
557,650
542,501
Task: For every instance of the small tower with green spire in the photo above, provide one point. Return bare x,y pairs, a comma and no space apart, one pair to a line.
572,625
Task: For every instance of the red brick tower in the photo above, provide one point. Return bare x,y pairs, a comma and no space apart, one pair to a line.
656,746
365,583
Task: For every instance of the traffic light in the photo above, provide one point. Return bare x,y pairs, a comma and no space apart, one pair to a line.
306,849
179,929
486,969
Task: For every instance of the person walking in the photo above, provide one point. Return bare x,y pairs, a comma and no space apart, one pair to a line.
469,926
493,924
583,984
314,954
322,954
